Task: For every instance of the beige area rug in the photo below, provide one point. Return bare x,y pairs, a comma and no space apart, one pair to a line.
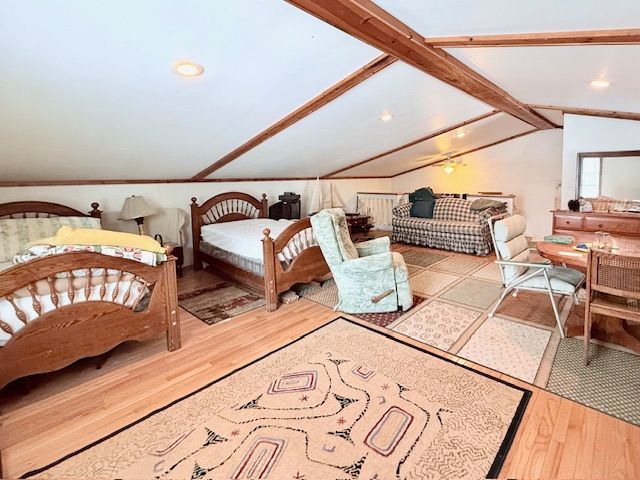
509,347
491,271
461,264
531,306
474,293
343,402
437,323
430,282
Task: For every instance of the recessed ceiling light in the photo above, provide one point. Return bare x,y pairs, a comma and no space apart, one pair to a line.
187,68
599,83
460,134
386,117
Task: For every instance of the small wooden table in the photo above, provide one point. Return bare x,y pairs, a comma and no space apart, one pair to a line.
609,329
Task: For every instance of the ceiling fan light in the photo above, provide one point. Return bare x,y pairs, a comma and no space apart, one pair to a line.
449,168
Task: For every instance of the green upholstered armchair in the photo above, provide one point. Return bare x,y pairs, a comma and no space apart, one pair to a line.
369,277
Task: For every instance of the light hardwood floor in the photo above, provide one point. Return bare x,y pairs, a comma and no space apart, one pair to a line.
66,410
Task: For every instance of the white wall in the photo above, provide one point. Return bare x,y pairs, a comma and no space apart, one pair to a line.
593,134
529,167
178,195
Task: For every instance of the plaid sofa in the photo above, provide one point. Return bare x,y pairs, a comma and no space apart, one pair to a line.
454,226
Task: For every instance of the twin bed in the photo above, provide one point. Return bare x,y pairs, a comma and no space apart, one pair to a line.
231,233
59,308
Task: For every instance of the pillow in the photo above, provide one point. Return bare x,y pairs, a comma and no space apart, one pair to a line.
424,193
15,233
423,208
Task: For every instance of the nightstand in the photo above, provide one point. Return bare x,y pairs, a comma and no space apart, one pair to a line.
178,252
359,226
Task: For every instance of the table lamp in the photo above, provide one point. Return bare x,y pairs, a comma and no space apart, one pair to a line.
136,208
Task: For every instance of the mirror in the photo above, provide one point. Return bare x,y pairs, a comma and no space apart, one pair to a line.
615,175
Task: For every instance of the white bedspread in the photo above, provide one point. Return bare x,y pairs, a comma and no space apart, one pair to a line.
242,237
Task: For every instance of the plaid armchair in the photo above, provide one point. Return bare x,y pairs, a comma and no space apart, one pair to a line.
369,277
454,226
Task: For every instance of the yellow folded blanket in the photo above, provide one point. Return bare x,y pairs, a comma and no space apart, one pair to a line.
93,236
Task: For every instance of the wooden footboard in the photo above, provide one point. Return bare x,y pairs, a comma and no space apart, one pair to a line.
293,257
77,328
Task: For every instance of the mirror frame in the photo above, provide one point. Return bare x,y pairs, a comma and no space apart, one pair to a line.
619,153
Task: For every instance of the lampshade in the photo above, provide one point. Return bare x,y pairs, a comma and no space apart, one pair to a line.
136,207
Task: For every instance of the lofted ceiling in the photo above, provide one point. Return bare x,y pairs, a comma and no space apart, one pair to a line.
87,93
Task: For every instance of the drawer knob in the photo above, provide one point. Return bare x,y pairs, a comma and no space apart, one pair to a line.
567,222
599,225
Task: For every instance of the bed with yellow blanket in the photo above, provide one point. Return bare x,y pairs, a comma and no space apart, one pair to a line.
69,289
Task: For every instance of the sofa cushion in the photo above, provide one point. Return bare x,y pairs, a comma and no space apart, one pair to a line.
423,208
413,223
456,209
451,226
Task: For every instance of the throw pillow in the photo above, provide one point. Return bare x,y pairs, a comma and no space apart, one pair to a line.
423,208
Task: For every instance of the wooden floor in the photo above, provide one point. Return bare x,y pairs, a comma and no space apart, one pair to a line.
66,410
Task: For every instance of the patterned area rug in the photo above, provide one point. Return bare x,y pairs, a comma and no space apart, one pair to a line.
219,302
422,258
343,402
474,293
510,347
611,381
438,324
327,295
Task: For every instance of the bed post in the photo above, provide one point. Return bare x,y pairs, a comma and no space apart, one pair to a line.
95,211
195,233
171,291
270,291
265,207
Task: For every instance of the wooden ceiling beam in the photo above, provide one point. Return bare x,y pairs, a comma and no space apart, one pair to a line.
591,112
366,21
412,143
627,36
462,154
311,106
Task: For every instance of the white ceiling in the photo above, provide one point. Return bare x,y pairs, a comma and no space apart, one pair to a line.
349,128
87,90
561,75
483,132
435,18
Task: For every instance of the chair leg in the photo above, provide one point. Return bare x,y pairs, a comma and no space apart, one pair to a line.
554,305
502,297
587,333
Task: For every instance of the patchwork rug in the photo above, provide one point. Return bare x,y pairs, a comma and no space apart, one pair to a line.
219,301
327,295
611,381
342,402
438,324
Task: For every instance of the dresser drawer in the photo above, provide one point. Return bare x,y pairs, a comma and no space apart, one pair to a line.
613,225
567,222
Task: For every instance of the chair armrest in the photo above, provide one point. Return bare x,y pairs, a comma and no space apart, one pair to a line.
543,265
402,211
371,247
372,263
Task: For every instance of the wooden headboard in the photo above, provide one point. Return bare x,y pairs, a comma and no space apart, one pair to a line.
35,209
225,207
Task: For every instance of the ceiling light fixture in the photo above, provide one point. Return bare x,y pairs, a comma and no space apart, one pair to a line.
449,168
386,117
599,83
461,133
187,68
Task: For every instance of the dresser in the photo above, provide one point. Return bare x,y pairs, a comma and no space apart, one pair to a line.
566,222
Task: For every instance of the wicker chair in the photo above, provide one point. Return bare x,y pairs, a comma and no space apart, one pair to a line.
613,289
